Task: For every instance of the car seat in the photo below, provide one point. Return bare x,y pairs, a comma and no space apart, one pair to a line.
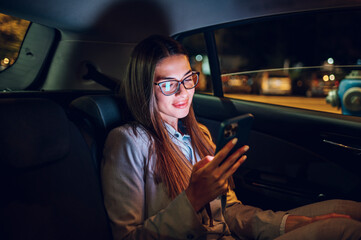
49,186
96,115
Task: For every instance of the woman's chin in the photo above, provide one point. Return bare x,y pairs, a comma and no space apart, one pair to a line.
183,114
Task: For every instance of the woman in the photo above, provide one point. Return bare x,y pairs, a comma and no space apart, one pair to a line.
159,178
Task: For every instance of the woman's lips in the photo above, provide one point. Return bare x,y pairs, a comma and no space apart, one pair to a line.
181,104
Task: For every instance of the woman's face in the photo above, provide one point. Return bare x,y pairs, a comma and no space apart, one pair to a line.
176,106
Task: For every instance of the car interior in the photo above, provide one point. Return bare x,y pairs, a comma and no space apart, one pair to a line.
59,100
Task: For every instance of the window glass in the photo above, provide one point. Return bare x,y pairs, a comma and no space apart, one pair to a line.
12,32
197,51
294,60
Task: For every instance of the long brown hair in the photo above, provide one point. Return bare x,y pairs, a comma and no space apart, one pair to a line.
171,166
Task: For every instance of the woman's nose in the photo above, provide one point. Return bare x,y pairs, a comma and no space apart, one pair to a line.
182,90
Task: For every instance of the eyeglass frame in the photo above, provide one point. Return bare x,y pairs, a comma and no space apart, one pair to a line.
179,83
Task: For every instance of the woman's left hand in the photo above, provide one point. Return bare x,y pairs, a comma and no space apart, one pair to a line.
295,221
210,176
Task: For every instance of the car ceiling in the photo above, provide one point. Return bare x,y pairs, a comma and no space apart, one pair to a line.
97,17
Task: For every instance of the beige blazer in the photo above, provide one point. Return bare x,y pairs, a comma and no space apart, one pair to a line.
139,208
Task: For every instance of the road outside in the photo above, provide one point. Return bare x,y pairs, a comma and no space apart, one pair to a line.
317,104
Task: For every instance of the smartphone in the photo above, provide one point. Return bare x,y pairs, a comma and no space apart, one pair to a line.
239,127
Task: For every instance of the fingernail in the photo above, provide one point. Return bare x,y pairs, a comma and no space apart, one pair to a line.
246,148
234,141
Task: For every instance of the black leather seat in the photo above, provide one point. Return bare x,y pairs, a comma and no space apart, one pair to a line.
96,115
49,186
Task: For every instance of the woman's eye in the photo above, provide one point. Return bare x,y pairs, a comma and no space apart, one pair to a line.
167,86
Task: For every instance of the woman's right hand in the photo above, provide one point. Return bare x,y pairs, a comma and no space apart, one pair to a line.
209,177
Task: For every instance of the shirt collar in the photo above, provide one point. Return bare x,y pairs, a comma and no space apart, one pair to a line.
183,142
175,133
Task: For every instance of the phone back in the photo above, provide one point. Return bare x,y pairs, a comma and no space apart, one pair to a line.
239,127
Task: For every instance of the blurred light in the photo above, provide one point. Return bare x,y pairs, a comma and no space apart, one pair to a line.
205,66
325,78
358,61
6,60
199,58
332,77
330,61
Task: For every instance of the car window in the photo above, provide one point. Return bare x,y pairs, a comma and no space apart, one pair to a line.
293,60
303,60
12,32
197,51
24,50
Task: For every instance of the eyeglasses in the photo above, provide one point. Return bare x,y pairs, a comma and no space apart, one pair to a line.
170,87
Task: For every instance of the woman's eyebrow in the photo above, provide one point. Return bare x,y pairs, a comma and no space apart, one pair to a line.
171,78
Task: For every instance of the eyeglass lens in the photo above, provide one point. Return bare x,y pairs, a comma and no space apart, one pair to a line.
171,86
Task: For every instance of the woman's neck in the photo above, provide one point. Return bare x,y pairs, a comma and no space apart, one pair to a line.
173,122
174,125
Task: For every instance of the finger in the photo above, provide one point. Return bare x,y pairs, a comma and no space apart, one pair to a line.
234,167
222,187
202,163
338,215
233,158
218,158
227,187
327,216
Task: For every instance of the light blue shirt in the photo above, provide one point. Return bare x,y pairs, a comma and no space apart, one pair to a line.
183,142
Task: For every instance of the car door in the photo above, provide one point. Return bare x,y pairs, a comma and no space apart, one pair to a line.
302,150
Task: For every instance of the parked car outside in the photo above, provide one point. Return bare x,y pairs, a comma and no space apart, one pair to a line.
273,83
238,83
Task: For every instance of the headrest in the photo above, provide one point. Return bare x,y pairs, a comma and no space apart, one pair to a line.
103,111
32,132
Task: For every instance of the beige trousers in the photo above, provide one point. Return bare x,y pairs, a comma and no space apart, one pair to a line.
330,229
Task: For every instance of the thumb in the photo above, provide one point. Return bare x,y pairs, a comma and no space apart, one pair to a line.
202,163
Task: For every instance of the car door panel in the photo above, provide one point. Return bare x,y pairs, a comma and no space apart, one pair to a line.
290,161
